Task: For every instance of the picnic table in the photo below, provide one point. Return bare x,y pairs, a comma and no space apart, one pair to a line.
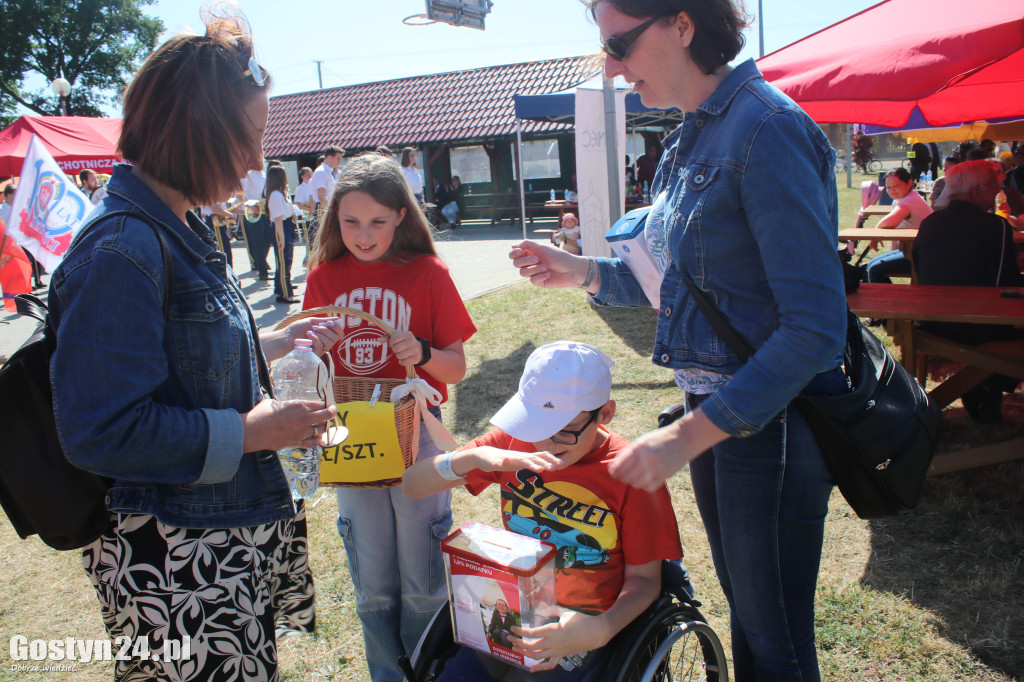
500,205
902,306
905,236
564,206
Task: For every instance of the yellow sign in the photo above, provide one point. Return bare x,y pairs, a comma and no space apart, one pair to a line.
371,451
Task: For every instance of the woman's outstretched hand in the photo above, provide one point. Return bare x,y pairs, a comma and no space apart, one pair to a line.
654,457
547,266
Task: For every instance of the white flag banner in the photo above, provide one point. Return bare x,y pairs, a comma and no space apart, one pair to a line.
48,208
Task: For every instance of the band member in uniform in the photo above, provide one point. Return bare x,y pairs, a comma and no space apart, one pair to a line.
322,187
216,218
257,231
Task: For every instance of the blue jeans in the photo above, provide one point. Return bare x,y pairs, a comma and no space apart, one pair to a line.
393,543
882,267
763,501
469,665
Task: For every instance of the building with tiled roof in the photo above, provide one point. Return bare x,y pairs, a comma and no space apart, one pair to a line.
461,123
444,108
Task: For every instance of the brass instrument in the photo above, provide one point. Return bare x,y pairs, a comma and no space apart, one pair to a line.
254,209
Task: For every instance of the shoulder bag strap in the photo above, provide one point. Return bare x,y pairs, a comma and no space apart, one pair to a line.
165,252
732,338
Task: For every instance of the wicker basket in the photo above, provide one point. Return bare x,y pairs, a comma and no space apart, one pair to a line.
349,389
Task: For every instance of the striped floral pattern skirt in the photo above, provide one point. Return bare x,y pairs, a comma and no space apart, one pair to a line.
218,597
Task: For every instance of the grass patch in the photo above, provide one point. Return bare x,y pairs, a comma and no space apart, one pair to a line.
936,595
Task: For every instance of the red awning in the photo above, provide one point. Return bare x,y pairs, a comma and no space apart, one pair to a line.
76,142
955,61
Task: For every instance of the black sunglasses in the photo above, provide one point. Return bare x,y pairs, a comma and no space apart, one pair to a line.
617,47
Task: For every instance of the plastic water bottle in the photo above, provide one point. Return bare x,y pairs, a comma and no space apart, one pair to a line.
300,376
647,193
552,195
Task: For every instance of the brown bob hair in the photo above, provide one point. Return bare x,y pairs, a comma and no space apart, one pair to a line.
381,178
184,122
719,24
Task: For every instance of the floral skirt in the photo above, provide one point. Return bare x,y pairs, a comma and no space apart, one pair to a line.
200,604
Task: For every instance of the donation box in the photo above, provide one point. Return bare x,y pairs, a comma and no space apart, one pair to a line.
497,579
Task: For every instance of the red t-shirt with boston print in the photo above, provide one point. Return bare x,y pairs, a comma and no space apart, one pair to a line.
417,296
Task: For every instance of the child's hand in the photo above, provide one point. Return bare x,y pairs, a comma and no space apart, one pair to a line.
574,633
324,333
495,459
406,347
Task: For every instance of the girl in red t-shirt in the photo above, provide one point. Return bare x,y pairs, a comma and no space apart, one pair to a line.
375,253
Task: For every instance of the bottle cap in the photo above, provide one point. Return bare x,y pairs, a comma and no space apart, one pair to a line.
304,344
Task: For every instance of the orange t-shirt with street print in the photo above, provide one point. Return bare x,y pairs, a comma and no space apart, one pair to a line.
597,523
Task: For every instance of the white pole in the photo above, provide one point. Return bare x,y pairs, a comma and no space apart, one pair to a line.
849,156
615,162
519,165
760,29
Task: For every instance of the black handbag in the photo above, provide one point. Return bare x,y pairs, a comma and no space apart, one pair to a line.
40,490
879,438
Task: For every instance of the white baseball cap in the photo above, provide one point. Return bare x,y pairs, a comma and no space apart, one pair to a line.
560,380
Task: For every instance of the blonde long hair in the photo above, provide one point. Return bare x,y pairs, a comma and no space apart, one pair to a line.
381,178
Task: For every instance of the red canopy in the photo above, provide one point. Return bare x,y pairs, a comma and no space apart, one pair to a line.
76,142
955,61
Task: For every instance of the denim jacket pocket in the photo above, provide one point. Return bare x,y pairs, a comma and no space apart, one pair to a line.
698,177
206,335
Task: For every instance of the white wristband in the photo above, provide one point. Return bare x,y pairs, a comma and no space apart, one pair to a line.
443,465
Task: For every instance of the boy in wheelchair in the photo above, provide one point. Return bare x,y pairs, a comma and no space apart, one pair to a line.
550,456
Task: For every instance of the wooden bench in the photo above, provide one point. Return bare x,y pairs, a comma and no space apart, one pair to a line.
904,304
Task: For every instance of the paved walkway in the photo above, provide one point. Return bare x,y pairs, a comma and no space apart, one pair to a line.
476,254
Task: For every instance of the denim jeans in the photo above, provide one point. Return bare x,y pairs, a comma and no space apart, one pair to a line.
883,267
393,543
763,501
469,665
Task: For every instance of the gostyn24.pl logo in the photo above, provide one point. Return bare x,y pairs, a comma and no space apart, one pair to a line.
86,650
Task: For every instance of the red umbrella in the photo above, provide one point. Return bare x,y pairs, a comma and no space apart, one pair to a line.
955,61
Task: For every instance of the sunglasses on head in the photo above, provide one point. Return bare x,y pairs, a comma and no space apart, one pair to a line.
617,47
255,71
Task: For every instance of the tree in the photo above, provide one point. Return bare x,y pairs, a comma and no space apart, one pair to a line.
94,44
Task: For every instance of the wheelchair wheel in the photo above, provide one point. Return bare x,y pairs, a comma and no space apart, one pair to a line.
676,647
690,651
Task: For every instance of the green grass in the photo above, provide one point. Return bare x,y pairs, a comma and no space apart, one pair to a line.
933,596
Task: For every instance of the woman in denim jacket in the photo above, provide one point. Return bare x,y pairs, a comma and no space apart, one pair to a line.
205,555
747,204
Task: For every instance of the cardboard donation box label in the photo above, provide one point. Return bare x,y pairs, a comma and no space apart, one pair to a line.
638,238
497,579
370,452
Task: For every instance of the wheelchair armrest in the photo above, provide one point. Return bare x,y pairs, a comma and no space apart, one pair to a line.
675,581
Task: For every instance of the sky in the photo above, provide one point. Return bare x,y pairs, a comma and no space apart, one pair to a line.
362,41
